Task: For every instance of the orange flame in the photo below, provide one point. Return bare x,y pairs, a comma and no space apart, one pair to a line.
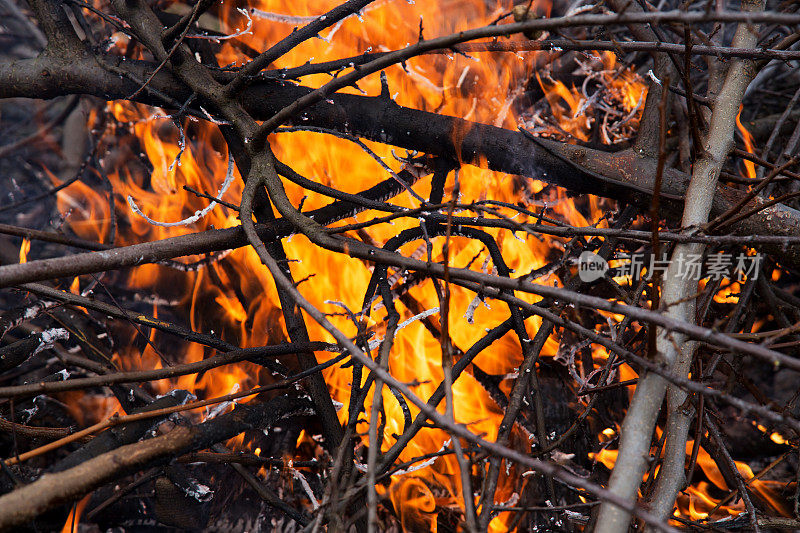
24,248
414,502
749,166
699,500
620,87
74,518
236,298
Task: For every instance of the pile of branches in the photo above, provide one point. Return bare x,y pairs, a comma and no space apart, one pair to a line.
675,189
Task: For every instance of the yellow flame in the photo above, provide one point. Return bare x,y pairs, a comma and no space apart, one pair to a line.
244,308
24,248
749,166
75,286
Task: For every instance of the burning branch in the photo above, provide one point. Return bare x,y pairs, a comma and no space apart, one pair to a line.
406,404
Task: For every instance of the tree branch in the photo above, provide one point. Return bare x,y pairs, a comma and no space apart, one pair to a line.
675,350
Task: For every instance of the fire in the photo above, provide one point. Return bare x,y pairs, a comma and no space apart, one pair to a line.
236,298
575,123
87,209
775,437
75,286
620,94
708,500
749,166
415,503
74,518
24,248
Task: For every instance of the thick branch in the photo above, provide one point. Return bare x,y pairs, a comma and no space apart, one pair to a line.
624,176
24,504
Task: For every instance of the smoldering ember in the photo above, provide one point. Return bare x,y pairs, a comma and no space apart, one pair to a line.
459,265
